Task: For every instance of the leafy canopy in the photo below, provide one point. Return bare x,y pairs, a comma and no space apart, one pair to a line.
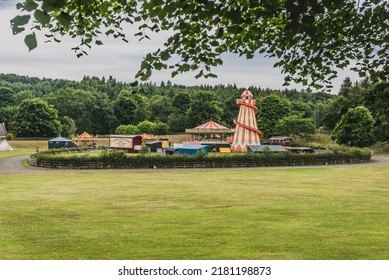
35,118
295,125
309,38
355,128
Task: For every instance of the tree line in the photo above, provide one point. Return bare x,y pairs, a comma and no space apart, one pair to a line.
34,107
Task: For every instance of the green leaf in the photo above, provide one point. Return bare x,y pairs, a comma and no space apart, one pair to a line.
109,32
210,75
20,20
30,41
41,16
17,29
160,66
30,5
104,8
200,74
165,55
220,32
214,43
64,19
59,3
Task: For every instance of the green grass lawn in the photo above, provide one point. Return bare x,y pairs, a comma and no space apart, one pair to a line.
23,148
16,152
318,213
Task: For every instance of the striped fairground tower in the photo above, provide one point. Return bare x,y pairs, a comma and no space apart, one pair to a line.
246,131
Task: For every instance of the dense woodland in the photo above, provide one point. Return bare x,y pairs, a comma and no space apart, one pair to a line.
34,107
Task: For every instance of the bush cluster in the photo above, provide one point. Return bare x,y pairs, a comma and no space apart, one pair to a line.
119,159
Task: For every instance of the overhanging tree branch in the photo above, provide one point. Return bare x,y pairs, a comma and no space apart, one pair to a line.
309,38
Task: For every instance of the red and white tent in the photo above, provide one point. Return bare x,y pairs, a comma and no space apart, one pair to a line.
209,130
210,125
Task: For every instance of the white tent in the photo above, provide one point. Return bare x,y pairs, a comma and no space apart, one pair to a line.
4,146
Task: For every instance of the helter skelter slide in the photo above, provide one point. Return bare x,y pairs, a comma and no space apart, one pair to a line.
246,131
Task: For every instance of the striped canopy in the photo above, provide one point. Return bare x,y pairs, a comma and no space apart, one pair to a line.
210,125
85,135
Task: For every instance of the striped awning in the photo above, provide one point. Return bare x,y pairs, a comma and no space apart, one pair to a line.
210,125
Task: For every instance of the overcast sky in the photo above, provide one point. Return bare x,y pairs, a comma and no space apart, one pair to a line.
121,60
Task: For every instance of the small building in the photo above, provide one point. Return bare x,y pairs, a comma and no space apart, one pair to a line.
193,150
165,142
171,151
60,142
3,130
85,140
281,140
128,143
270,148
215,146
155,146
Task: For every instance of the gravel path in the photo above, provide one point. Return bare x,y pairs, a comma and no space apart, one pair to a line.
13,165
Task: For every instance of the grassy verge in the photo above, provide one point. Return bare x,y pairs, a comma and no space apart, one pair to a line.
329,213
16,152
23,148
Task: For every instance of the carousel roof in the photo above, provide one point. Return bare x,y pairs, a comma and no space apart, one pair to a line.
85,135
146,136
210,125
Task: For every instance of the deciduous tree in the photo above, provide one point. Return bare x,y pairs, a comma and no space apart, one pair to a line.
295,126
356,128
203,106
36,118
272,108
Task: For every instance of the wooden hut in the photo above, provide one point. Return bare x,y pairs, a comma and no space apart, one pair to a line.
154,146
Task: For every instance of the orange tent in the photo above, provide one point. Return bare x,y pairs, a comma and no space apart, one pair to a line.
85,140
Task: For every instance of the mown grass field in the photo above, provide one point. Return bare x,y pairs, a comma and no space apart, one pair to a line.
23,148
313,213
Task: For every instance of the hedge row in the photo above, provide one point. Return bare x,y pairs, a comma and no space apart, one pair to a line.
119,159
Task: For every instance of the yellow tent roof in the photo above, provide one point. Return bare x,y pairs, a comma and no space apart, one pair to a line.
85,135
148,136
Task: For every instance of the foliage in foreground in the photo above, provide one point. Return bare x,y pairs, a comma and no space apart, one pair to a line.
308,38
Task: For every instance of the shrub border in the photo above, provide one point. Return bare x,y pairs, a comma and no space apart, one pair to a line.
119,159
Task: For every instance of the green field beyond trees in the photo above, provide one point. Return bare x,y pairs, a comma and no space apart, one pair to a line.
314,213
